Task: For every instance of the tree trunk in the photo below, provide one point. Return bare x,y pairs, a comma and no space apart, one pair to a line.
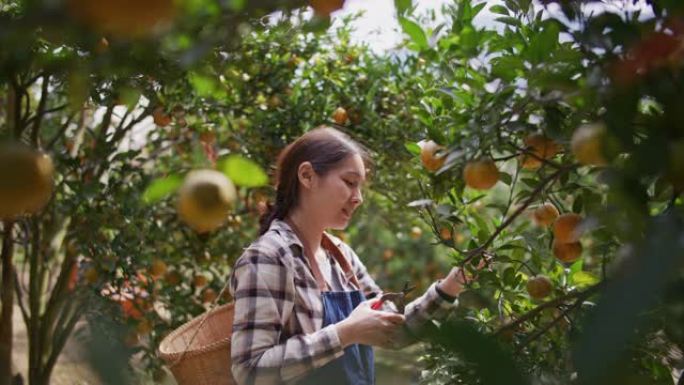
7,295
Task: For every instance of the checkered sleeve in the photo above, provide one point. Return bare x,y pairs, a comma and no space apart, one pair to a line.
427,307
263,289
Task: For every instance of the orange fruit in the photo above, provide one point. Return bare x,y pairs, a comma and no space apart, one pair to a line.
542,147
481,174
158,268
205,199
274,101
566,228
445,233
161,118
91,275
326,7
209,295
200,281
545,214
539,287
587,144
173,277
26,180
102,45
124,18
131,309
431,156
567,252
387,254
340,116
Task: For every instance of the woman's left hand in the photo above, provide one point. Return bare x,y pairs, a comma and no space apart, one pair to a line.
457,279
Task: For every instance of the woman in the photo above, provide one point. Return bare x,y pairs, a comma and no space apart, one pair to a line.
302,307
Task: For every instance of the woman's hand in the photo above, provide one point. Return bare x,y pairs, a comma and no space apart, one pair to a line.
457,279
454,283
370,327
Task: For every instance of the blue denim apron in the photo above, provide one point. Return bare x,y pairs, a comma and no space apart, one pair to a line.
356,366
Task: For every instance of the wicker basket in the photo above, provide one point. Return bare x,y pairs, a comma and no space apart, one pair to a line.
201,357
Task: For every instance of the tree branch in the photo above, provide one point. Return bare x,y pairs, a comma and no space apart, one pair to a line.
20,300
7,295
40,112
553,322
553,303
535,193
60,133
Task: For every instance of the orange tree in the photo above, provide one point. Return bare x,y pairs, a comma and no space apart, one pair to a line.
76,80
555,145
500,108
125,108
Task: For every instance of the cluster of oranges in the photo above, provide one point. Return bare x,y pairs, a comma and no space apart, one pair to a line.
587,145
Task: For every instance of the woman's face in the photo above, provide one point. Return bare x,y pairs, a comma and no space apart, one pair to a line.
336,195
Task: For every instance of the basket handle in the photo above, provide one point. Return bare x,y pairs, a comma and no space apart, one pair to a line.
212,307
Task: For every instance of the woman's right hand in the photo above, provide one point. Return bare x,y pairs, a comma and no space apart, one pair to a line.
370,327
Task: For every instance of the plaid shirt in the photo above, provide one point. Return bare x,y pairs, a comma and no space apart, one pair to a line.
277,330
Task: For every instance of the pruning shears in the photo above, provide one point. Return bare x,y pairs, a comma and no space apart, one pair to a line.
397,297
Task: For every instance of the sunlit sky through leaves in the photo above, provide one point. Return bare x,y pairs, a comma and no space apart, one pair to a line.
379,28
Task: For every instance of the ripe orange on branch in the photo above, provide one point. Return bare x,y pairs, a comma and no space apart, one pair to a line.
541,147
209,295
158,268
545,214
125,18
445,233
587,144
340,116
566,228
431,156
161,118
205,199
26,180
567,252
481,174
326,7
539,287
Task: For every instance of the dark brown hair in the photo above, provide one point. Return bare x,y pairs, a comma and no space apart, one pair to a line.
324,147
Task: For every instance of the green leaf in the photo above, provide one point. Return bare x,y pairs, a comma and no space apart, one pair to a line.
242,171
543,44
161,188
577,266
412,147
236,5
505,178
500,9
414,31
402,6
204,85
512,21
506,67
584,278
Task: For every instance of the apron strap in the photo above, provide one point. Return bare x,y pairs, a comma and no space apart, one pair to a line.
329,245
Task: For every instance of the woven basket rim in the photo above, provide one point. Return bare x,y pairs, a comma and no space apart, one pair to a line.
170,357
